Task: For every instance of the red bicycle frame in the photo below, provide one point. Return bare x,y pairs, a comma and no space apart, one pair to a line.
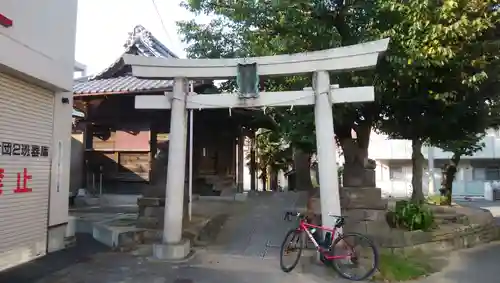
304,226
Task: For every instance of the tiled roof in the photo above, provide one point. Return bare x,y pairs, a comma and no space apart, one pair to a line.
119,85
117,77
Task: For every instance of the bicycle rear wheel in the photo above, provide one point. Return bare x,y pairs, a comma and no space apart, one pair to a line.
293,242
357,250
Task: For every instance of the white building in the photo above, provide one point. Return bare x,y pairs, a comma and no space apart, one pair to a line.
80,70
394,166
36,79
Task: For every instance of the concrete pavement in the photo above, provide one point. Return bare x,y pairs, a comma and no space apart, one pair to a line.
492,206
246,251
479,264
102,266
260,230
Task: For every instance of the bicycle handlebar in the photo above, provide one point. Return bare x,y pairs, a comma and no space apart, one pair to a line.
288,217
289,214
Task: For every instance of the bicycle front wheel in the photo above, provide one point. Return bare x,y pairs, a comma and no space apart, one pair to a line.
293,243
357,256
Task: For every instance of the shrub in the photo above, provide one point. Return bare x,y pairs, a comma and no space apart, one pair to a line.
411,216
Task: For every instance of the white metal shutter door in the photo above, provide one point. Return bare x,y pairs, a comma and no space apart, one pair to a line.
26,116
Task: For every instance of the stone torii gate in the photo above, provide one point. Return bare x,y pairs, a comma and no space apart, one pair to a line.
321,95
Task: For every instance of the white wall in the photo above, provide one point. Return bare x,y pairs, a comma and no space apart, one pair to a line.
469,180
60,173
383,148
41,41
39,47
79,70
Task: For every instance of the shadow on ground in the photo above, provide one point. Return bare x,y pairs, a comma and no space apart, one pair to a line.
32,271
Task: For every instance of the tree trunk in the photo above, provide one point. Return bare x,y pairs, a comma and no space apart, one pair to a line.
274,179
263,178
417,161
253,164
301,162
448,174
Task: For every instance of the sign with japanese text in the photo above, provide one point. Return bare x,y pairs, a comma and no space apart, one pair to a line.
23,178
21,184
25,150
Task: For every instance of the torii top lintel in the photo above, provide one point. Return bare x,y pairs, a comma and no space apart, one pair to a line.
347,58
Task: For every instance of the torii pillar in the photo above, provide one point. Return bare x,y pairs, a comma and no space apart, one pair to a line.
322,95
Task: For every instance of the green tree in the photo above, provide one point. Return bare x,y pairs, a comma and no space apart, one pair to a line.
468,145
256,28
476,118
432,75
273,155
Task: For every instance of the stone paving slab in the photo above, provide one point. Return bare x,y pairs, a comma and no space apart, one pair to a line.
249,233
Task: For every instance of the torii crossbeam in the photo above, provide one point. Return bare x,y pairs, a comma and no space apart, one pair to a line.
322,95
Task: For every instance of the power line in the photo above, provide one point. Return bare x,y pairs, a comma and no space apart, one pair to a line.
169,38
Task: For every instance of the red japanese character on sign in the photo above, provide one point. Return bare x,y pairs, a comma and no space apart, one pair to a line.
24,188
2,171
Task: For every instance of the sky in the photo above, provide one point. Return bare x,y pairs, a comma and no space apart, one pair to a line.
103,27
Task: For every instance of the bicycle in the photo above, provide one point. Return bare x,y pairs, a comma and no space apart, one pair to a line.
326,247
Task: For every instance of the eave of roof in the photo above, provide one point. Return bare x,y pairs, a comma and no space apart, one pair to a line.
122,84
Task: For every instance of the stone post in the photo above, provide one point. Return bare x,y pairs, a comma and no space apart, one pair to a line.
241,162
174,247
328,175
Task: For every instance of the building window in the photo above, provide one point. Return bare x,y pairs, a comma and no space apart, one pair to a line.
396,173
486,174
478,174
492,173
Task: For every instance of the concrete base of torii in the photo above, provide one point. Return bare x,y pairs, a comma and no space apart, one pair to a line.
172,251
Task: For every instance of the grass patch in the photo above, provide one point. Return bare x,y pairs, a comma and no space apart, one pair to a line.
435,199
396,267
